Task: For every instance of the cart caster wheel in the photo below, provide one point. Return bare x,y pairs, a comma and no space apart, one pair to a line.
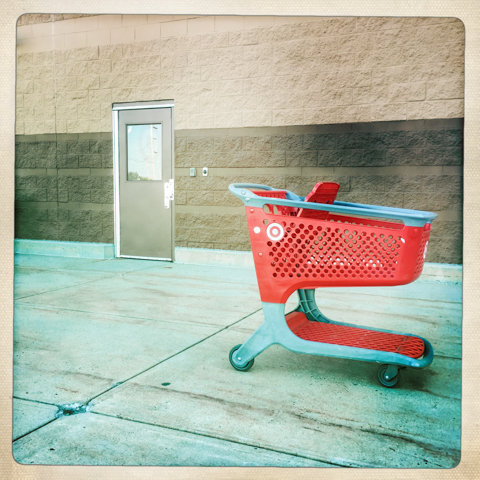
246,367
390,382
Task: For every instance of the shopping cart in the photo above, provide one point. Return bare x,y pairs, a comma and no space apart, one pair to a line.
300,244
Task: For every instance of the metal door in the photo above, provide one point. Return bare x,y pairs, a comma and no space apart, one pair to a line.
143,169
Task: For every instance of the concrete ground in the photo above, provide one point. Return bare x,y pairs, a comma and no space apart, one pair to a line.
125,362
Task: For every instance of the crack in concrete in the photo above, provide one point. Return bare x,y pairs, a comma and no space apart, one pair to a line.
93,312
63,288
446,356
429,392
93,260
196,280
34,430
433,449
435,301
72,409
425,447
405,316
121,382
72,269
119,417
35,401
63,411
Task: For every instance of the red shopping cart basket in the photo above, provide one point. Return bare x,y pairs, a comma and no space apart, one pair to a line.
300,244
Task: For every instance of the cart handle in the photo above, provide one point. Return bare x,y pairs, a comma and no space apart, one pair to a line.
411,218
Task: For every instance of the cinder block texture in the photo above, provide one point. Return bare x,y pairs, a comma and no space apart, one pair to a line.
64,188
64,184
406,168
36,18
332,70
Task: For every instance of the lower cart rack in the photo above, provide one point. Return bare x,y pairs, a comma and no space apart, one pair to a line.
300,244
336,334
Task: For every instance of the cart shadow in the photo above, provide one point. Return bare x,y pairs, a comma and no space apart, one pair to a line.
342,371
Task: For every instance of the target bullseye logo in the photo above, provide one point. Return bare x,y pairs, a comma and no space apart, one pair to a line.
275,232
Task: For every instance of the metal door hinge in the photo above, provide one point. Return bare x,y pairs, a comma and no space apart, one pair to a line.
169,192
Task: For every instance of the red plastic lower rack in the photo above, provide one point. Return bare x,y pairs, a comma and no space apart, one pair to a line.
354,337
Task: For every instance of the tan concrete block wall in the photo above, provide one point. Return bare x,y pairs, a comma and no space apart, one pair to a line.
37,18
415,165
225,72
64,187
64,182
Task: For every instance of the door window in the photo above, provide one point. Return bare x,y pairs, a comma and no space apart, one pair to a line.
144,152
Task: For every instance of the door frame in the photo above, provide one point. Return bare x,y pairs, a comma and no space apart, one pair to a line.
116,108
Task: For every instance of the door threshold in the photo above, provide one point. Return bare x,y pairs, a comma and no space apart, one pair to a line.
146,258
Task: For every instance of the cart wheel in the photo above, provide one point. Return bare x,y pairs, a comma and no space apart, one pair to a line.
246,367
390,382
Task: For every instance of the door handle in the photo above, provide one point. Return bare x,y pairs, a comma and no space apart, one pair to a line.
169,190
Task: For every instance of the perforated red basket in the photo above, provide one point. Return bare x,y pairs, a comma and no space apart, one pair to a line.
338,251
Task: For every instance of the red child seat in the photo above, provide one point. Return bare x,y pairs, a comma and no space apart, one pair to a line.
323,192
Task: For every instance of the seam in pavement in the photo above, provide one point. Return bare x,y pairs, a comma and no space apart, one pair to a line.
63,288
118,417
136,375
369,294
171,356
93,260
40,426
220,438
34,430
34,401
72,267
92,312
117,273
83,283
133,376
90,281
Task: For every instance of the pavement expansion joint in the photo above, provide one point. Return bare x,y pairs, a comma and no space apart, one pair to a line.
63,288
106,314
231,440
34,401
121,382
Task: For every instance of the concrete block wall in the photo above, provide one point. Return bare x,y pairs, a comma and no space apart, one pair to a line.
373,103
64,184
416,164
64,187
39,18
240,72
